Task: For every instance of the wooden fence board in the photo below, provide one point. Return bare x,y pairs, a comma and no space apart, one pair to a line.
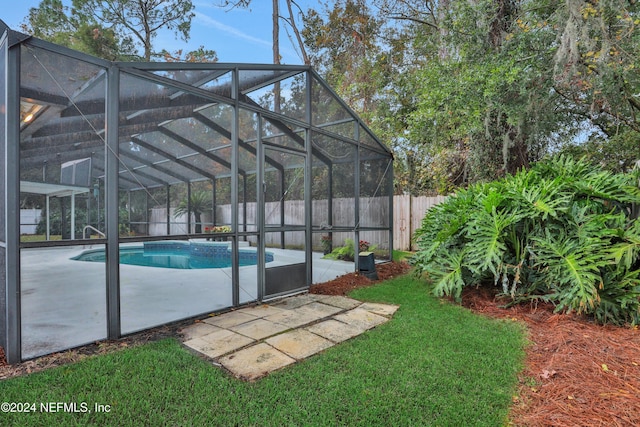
408,213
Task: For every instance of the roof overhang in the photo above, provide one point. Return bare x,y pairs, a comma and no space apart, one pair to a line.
51,190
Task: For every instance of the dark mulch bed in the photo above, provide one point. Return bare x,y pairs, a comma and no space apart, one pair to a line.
344,284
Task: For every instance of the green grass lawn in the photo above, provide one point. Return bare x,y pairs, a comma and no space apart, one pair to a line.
401,255
433,364
38,237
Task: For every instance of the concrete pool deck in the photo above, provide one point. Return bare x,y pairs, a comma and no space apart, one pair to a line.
254,341
64,300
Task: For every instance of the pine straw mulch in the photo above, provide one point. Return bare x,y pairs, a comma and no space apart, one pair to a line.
344,284
576,373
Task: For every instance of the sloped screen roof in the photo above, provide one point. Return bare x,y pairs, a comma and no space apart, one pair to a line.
177,122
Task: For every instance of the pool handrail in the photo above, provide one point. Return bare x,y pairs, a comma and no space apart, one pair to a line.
84,231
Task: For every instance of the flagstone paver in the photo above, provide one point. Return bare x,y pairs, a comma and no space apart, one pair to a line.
253,341
335,331
360,318
316,310
231,318
339,301
382,309
218,343
295,302
198,329
299,343
259,329
262,310
256,361
290,318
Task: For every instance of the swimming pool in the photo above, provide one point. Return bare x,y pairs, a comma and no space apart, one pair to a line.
178,255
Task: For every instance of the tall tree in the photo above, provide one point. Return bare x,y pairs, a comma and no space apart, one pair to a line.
472,90
140,20
199,55
485,94
54,22
596,71
291,21
597,62
367,61
275,21
343,45
473,82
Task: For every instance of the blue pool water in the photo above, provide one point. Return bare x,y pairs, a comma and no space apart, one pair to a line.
179,255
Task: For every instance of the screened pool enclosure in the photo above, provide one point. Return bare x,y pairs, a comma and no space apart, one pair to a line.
138,194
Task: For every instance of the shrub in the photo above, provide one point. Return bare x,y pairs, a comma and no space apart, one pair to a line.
559,232
326,242
348,251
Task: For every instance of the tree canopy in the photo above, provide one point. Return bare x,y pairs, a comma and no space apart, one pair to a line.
140,19
115,29
57,23
471,91
463,91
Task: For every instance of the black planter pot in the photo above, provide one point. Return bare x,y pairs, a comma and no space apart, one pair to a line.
367,264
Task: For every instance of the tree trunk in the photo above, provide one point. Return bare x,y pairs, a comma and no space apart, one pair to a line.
198,219
276,32
292,22
276,53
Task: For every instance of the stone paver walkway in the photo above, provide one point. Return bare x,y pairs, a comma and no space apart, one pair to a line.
252,342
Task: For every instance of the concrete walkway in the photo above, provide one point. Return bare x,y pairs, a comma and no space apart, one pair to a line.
254,341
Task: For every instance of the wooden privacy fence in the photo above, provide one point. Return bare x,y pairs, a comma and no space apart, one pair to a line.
408,212
373,213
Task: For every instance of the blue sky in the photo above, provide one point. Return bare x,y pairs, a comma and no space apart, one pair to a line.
239,35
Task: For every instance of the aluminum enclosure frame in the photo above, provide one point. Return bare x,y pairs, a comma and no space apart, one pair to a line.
174,129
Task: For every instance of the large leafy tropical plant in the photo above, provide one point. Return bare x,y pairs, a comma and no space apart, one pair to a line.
561,231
